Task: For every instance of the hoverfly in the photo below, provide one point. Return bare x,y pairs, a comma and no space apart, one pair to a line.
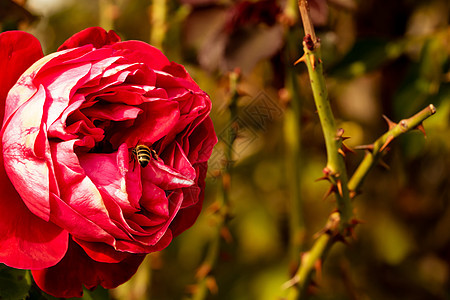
143,154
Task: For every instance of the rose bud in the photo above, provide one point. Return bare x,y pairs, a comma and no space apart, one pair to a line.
104,156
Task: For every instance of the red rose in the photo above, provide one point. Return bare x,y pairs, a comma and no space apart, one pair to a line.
77,208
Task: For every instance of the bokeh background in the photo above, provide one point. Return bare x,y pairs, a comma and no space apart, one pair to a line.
380,57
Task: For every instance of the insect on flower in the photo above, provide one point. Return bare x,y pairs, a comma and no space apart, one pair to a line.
143,154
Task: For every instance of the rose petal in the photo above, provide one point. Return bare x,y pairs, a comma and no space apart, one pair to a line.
175,157
80,209
157,119
18,51
103,170
154,200
158,236
114,112
76,269
147,247
164,176
140,52
26,242
59,86
28,169
102,252
96,36
186,217
201,142
25,87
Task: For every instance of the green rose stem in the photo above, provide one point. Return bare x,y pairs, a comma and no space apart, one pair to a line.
335,170
205,281
292,132
311,260
339,224
376,150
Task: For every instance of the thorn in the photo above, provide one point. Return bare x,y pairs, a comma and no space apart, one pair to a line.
226,235
211,284
390,123
313,288
350,230
331,190
353,194
203,270
214,207
365,147
191,288
421,129
388,140
301,59
341,152
318,268
312,60
356,221
291,282
319,233
313,283
339,187
226,181
384,164
347,149
325,177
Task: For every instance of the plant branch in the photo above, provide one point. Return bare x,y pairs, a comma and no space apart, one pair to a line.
330,234
308,26
292,130
376,150
339,224
220,208
335,170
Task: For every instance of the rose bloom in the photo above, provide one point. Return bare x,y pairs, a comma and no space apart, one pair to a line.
77,208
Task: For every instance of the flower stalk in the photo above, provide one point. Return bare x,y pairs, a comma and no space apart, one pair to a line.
375,151
335,170
292,129
340,224
220,208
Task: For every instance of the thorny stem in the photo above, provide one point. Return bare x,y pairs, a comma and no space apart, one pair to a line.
338,223
376,149
301,280
205,279
292,132
335,169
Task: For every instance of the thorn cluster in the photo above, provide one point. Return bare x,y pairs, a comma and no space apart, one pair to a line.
332,228
344,149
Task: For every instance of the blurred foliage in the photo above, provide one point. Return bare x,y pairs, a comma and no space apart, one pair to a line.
381,57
